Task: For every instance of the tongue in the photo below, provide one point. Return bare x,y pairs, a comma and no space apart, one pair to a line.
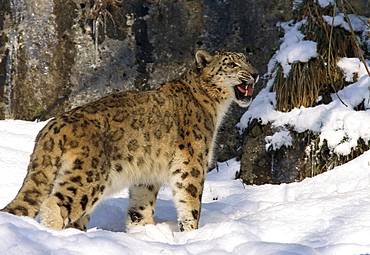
246,90
242,89
249,91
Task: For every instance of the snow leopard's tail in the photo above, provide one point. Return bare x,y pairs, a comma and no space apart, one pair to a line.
38,183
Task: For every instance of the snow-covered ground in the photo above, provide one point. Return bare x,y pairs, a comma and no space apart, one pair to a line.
327,214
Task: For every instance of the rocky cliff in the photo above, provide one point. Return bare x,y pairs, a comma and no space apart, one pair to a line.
56,54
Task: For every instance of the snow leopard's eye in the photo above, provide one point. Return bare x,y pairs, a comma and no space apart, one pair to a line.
232,65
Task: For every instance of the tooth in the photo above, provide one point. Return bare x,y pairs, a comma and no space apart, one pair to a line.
246,90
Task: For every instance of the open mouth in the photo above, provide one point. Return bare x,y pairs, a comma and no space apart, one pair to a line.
244,91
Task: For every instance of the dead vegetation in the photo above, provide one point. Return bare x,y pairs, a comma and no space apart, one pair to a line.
319,76
101,9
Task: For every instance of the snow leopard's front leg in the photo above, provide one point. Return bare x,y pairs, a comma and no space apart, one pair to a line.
187,188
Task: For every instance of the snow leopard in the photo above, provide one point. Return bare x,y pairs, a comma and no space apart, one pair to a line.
136,140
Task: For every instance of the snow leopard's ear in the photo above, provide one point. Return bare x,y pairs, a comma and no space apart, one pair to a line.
203,58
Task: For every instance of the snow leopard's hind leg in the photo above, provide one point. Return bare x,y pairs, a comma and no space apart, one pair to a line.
142,203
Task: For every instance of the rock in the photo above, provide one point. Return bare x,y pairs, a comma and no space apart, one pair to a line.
255,162
56,54
71,54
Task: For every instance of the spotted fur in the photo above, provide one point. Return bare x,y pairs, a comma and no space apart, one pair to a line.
137,140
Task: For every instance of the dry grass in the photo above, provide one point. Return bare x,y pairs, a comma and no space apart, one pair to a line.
305,83
319,76
101,10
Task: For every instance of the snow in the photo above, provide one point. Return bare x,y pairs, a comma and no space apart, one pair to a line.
278,140
352,66
340,20
294,48
325,3
327,214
